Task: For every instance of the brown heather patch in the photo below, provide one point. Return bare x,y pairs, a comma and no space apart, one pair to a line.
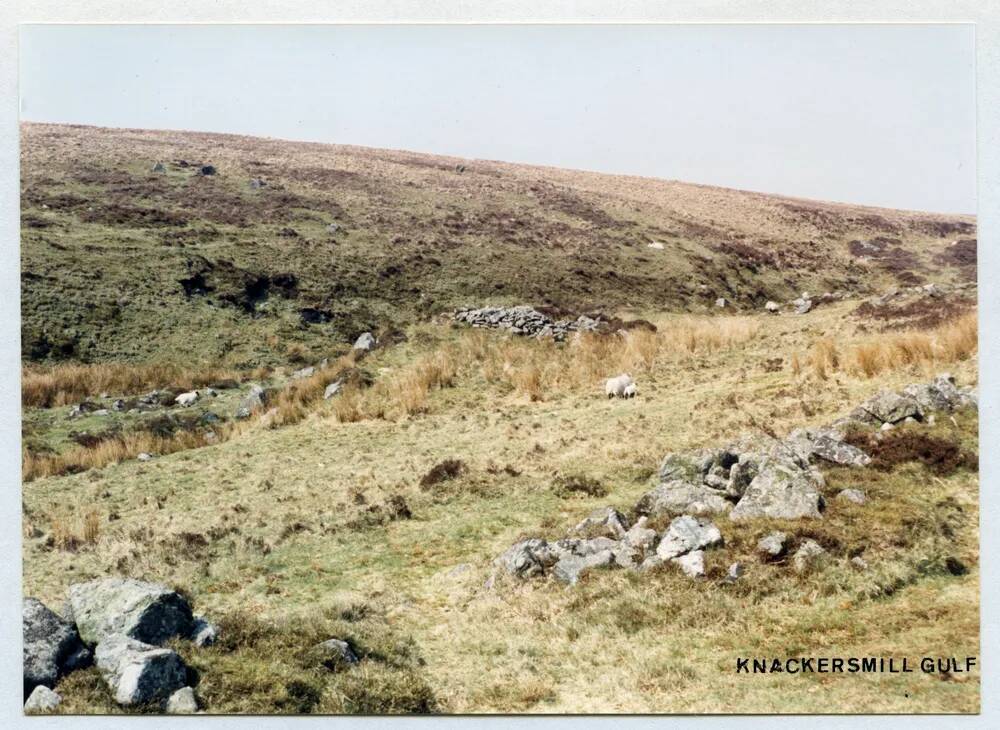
888,450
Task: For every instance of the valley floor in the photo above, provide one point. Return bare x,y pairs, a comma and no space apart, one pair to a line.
290,534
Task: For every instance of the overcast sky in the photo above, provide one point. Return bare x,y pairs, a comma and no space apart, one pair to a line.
882,115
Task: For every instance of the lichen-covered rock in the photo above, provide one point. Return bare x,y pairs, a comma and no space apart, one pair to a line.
182,702
852,495
52,646
781,490
809,555
639,536
679,497
826,445
254,400
147,612
691,466
203,632
137,672
42,700
692,563
527,558
570,567
889,407
773,545
334,654
687,533
365,342
604,521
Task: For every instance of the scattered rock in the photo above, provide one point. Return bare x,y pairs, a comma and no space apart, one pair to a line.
655,245
52,646
137,672
692,563
332,389
860,563
255,400
734,573
889,407
527,558
147,612
306,372
826,445
687,533
42,700
852,495
335,654
365,342
256,184
808,556
604,522
526,321
182,702
206,170
720,302
570,567
802,306
679,497
159,167
773,545
143,456
203,632
772,307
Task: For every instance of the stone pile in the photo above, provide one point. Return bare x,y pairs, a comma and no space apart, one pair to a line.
526,321
752,477
121,625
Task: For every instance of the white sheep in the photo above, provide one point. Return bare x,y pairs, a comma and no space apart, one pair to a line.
629,391
616,386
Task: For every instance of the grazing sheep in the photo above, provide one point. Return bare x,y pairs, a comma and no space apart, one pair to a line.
187,399
629,391
616,386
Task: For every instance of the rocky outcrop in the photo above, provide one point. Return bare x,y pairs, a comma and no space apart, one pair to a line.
334,654
147,612
782,489
254,401
182,702
365,342
52,646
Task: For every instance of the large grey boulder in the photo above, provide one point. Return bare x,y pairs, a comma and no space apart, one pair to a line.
825,445
52,646
143,611
942,394
365,342
889,407
687,533
139,673
527,558
680,497
254,400
852,495
782,490
42,700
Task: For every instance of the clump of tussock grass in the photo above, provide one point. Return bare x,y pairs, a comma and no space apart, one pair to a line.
60,385
922,350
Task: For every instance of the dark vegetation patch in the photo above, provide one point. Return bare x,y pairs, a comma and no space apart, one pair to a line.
962,255
749,256
944,228
903,445
445,471
923,313
376,515
127,215
568,485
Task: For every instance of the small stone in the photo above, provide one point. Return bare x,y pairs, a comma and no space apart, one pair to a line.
143,456
887,427
735,573
852,495
332,389
42,700
335,654
182,702
365,342
773,545
203,632
860,563
808,556
685,534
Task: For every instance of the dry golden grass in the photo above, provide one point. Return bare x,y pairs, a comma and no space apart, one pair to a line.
952,342
70,531
60,385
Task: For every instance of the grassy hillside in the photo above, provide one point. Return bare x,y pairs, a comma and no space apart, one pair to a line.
123,263
375,515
